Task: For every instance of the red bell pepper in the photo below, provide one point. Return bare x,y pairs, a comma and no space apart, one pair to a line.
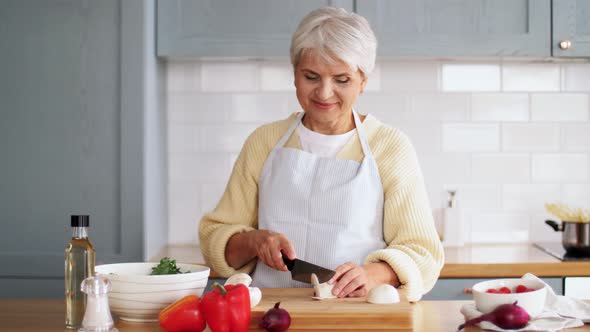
227,308
183,315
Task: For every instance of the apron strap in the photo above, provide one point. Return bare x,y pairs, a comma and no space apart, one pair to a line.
361,133
290,131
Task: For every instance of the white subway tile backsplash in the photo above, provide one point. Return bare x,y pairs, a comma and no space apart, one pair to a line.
409,76
500,228
501,168
476,196
530,137
577,195
195,109
199,167
487,130
439,107
211,194
224,138
558,168
576,137
470,137
497,107
259,108
183,139
528,198
374,80
389,108
276,76
183,76
576,77
184,211
442,168
470,77
559,107
530,77
230,77
425,137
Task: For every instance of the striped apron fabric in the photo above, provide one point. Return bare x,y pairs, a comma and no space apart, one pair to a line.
330,209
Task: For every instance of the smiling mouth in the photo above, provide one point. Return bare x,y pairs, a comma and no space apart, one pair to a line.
323,106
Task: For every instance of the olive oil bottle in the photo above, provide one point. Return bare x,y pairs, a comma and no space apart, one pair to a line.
79,265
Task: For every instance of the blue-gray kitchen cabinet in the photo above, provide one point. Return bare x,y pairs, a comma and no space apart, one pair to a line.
571,28
453,288
252,28
77,90
436,28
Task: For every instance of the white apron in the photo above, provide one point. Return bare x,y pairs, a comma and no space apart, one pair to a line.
330,209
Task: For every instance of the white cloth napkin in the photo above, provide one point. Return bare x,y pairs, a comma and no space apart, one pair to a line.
560,313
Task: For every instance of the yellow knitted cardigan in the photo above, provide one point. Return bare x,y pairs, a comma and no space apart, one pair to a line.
414,250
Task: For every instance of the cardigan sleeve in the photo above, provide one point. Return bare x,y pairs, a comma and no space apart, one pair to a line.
413,250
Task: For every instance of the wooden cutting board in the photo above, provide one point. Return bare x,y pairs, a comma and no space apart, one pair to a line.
334,314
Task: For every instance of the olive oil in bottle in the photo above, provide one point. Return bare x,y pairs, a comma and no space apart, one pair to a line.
79,265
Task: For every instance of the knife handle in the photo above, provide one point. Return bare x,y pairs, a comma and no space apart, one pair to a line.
287,261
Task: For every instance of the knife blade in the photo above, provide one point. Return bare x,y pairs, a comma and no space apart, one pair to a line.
302,270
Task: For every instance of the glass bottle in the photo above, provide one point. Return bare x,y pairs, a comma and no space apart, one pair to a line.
79,265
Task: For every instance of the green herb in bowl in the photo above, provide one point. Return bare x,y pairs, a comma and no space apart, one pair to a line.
166,266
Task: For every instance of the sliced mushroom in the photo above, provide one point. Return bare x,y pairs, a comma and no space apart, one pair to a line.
323,290
383,294
239,278
255,296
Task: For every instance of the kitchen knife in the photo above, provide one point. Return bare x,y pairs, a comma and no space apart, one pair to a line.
302,270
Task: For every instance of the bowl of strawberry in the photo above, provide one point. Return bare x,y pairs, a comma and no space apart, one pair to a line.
530,294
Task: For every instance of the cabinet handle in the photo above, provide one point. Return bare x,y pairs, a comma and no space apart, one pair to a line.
565,44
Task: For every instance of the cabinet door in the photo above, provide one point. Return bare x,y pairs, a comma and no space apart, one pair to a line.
578,287
452,289
571,22
460,27
231,27
69,83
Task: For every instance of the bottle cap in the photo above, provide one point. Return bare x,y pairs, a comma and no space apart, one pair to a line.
80,220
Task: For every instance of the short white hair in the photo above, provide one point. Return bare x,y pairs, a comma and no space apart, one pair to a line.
335,33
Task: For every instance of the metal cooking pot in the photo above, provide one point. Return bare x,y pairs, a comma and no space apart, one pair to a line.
575,238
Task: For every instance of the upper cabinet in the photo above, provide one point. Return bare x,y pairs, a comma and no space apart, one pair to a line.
421,28
571,28
231,28
460,27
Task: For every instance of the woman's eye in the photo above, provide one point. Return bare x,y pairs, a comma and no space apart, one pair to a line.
311,78
343,80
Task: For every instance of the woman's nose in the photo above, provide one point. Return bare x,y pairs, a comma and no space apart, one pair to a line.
324,91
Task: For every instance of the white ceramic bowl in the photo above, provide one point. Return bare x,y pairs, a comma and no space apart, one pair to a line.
138,296
533,302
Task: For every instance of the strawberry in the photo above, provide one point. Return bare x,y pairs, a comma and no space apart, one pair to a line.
504,290
492,291
522,289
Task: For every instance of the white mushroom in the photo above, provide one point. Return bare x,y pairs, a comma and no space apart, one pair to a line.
239,278
323,290
383,294
255,296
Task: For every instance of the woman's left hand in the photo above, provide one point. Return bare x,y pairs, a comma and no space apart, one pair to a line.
351,280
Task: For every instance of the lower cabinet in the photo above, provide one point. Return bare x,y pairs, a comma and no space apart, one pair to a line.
452,289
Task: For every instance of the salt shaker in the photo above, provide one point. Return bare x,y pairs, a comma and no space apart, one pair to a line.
97,317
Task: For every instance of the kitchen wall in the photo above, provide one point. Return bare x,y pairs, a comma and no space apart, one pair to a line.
508,136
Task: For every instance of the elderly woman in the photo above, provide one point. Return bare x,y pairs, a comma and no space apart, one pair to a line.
327,185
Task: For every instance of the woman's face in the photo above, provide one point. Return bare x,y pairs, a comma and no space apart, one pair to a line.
326,91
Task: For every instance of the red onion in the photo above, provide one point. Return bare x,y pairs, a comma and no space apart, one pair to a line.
505,316
276,319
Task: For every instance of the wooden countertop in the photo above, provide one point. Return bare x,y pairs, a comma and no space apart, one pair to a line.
35,315
470,261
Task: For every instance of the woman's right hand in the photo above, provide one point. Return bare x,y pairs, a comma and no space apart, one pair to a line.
268,246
